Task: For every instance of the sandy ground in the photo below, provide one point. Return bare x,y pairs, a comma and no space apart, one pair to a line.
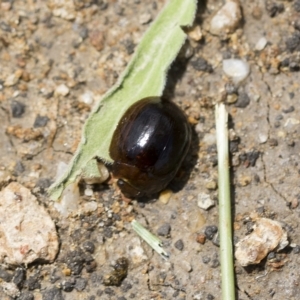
56,61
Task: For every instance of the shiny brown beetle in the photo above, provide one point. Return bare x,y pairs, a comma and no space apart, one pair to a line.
148,146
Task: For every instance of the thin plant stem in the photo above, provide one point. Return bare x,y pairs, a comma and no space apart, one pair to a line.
225,222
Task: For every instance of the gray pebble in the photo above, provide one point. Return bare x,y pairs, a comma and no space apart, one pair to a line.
215,263
297,5
52,294
33,282
26,296
17,109
273,142
40,121
289,110
88,246
164,230
68,285
293,42
210,231
200,64
4,275
19,277
80,284
179,245
242,101
43,184
205,259
296,250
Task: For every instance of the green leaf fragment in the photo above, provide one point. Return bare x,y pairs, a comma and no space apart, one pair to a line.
153,241
144,76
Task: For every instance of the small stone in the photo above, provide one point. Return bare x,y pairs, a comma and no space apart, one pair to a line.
244,180
296,249
266,236
25,295
211,185
262,137
214,263
236,69
227,19
273,142
273,8
261,44
291,122
186,266
19,277
257,12
210,231
216,240
297,5
145,18
80,284
52,293
294,203
88,246
243,100
62,90
231,98
195,33
13,78
293,42
288,110
206,259
97,39
17,109
43,184
36,239
33,283
164,230
68,285
179,245
87,97
200,64
201,238
165,196
40,121
204,201
67,272
4,275
89,207
10,289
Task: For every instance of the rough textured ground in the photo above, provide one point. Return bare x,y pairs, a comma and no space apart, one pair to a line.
55,62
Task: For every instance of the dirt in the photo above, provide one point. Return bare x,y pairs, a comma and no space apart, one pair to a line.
56,61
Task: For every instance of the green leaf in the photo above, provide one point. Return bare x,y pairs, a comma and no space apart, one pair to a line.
144,76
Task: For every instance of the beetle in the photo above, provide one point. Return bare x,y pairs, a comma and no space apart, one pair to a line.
148,146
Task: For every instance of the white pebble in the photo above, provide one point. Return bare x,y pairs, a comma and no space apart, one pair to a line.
261,44
204,201
227,19
88,192
263,137
90,206
145,18
87,97
236,69
62,90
